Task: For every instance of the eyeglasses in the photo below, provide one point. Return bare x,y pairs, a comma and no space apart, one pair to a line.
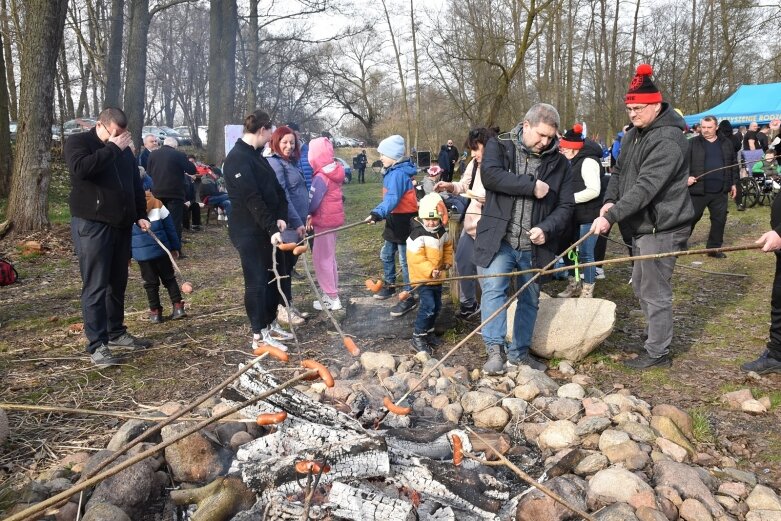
636,110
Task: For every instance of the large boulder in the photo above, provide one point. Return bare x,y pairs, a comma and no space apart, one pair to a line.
130,489
536,506
194,458
614,485
687,482
557,335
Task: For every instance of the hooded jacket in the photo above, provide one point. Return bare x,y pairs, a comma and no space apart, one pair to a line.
293,183
399,203
648,185
145,248
428,251
105,185
551,214
326,206
586,211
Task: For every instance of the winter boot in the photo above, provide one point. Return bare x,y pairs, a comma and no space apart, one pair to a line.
432,339
573,289
587,291
156,315
178,311
495,363
419,343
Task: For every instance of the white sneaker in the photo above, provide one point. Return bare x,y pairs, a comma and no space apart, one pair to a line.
329,303
265,338
277,332
288,316
600,274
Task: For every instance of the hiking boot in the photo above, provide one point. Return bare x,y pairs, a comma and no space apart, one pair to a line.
332,303
432,339
529,360
266,338
573,289
587,290
466,312
178,311
384,293
718,255
288,316
404,307
276,332
495,363
129,342
156,315
419,344
103,357
763,365
646,361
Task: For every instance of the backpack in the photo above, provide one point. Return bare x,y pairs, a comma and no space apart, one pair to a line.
8,274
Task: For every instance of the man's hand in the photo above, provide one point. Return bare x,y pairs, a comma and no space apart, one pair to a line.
605,208
301,231
122,141
691,180
144,225
443,186
770,241
281,225
600,226
276,239
540,189
536,235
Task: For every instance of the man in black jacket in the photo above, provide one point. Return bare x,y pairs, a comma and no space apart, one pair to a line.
167,167
528,205
712,175
106,199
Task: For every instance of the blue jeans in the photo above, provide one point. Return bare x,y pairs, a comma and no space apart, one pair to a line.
222,201
495,295
388,258
430,304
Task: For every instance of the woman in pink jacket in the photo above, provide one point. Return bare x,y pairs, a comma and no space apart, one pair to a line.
326,212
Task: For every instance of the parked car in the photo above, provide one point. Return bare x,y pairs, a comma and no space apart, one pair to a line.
74,126
13,126
180,139
185,131
348,170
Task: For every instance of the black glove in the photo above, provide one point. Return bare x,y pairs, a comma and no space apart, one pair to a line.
375,217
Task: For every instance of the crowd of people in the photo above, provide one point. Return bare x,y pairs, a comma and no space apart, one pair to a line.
525,197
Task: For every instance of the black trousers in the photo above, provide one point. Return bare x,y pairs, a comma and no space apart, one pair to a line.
774,345
192,213
176,209
286,261
103,252
155,271
361,172
260,293
717,205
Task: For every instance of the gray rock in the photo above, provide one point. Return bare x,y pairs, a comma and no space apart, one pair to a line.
645,513
372,361
734,399
610,437
558,435
565,409
613,485
130,490
193,459
239,439
680,417
104,512
591,464
571,390
556,335
492,418
536,506
592,424
617,512
566,463
763,515
128,431
527,392
439,402
68,512
693,510
732,473
545,383
670,430
623,451
763,498
225,431
565,367
638,432
673,450
453,412
516,407
477,401
34,492
686,481
58,485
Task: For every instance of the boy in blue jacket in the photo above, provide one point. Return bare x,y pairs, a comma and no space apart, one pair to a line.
154,262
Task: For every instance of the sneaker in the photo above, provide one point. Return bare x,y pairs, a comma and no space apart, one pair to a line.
404,307
495,363
129,342
432,339
276,332
646,361
298,312
385,293
419,344
763,365
288,317
103,357
529,360
600,273
573,289
266,338
467,312
178,311
156,316
332,303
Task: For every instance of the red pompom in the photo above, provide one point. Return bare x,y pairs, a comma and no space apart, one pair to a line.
577,128
644,69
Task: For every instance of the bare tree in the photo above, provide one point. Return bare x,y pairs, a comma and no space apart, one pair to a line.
5,133
223,27
5,28
114,57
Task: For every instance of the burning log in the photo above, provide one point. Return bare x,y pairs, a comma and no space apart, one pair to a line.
359,503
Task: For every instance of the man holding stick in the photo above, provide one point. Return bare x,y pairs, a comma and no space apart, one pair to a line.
648,193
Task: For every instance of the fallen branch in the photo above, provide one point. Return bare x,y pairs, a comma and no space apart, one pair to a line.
159,243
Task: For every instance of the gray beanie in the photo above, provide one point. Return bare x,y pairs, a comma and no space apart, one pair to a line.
392,147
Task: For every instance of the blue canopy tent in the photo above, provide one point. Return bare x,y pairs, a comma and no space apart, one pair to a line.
760,103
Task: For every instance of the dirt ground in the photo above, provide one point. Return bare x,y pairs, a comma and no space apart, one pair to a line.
721,321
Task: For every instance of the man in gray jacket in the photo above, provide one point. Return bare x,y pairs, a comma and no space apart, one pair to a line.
648,193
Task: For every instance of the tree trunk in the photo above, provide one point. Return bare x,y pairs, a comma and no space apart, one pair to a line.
417,75
135,85
5,133
223,26
114,57
43,28
397,54
66,83
5,28
251,72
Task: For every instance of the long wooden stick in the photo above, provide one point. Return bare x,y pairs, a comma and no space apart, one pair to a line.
334,230
501,309
94,412
531,481
320,296
159,243
78,487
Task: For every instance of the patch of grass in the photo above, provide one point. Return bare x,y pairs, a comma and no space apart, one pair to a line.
554,363
701,426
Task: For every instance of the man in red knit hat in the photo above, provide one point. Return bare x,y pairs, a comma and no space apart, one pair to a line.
648,193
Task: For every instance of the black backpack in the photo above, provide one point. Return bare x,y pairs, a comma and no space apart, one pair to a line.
8,274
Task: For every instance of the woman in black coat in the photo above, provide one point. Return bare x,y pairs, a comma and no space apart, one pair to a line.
259,210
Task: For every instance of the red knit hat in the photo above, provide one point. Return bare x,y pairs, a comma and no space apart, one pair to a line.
642,89
573,138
